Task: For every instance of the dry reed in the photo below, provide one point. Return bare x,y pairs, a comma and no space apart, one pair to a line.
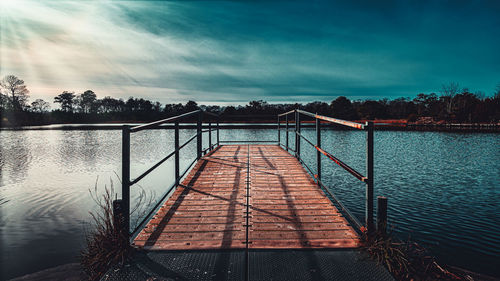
406,260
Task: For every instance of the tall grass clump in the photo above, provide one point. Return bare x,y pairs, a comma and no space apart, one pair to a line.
107,242
406,260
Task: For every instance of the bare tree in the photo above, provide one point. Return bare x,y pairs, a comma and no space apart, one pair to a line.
40,106
449,91
16,90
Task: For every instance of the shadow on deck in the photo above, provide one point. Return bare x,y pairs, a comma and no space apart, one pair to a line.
248,204
286,208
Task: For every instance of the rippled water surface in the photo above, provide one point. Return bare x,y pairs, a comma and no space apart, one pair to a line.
443,188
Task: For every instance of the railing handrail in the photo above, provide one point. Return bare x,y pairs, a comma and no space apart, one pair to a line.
333,120
368,179
326,118
159,122
286,113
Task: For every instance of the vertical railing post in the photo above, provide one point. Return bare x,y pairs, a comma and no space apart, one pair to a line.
176,143
369,180
210,135
199,135
297,132
218,119
279,132
296,136
318,144
126,178
286,132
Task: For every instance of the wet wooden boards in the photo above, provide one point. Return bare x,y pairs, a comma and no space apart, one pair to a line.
255,194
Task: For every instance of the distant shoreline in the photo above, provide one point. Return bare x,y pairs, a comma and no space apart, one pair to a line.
386,125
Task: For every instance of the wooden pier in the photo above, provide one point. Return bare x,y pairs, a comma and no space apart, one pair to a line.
247,196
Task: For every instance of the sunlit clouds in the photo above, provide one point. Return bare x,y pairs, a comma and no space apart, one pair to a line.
237,51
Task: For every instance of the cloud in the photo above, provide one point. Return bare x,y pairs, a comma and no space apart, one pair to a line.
173,51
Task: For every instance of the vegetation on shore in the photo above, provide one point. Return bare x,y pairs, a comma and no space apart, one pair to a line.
454,104
408,260
107,243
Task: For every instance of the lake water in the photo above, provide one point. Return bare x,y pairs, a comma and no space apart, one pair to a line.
443,188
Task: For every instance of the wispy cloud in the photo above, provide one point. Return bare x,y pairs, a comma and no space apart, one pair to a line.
238,51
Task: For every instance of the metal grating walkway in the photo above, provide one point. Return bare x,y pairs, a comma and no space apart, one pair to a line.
282,265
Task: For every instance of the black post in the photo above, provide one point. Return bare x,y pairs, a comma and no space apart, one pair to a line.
297,132
199,135
279,136
209,135
286,132
218,118
118,214
318,144
369,175
382,215
176,142
126,178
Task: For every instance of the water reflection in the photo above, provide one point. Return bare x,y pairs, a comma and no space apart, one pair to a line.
14,157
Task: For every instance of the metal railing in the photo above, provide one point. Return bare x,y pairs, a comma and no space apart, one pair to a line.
368,179
123,206
127,182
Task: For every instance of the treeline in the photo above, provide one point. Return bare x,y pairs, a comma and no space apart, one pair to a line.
454,104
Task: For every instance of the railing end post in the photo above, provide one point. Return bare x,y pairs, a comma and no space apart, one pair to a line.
286,128
369,174
176,144
218,128
199,135
297,134
125,202
209,135
318,144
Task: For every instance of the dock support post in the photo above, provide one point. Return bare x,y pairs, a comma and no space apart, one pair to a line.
126,178
118,215
369,180
286,116
318,154
176,143
199,135
382,215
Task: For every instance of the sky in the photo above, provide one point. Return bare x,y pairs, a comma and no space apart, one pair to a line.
231,52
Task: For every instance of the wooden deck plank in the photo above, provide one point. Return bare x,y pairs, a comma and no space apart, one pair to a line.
286,207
